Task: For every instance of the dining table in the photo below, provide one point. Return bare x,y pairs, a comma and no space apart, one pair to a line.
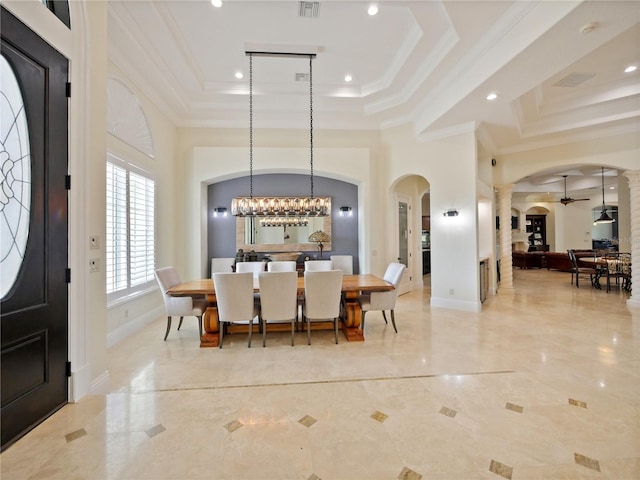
351,313
602,264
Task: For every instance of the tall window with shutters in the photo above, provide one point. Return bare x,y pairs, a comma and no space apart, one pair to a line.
130,233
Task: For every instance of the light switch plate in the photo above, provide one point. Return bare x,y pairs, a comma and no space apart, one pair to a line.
94,265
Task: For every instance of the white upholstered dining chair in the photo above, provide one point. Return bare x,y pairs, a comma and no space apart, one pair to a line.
342,262
168,277
281,266
383,300
317,265
222,264
235,302
278,300
322,296
253,267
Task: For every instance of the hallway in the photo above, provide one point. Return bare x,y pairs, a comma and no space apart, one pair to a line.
544,383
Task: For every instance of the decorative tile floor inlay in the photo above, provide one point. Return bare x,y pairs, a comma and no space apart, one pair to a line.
233,425
379,416
449,412
314,382
153,431
587,462
408,474
307,421
577,403
514,407
501,469
70,437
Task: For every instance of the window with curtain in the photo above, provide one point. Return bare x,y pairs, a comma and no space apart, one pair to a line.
130,232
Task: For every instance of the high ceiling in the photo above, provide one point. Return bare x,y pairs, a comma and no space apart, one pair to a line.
557,66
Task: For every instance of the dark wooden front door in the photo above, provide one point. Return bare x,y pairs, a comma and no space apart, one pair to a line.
33,199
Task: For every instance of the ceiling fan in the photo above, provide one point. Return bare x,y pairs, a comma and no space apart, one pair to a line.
567,200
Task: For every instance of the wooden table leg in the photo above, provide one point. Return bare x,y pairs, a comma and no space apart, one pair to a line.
352,316
211,336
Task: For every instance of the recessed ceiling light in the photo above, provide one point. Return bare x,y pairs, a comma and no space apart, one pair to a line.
612,188
348,78
492,96
630,68
373,9
239,75
216,3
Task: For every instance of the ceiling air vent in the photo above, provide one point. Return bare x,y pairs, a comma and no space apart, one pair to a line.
309,9
574,79
302,77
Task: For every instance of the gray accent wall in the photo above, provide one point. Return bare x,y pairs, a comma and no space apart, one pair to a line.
221,231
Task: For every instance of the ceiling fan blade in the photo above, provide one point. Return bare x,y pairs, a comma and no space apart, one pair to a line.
568,200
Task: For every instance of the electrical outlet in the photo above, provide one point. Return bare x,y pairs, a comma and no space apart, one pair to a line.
94,265
94,242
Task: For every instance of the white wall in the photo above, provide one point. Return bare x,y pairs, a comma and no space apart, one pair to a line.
449,165
573,226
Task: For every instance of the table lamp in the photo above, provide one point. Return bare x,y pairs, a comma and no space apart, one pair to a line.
319,236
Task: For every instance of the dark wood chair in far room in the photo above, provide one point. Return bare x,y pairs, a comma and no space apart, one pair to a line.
619,269
576,271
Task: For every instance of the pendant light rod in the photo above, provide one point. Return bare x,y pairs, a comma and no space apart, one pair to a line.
602,188
280,50
604,218
311,121
279,54
251,126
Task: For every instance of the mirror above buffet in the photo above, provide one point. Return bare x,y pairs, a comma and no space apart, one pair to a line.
280,234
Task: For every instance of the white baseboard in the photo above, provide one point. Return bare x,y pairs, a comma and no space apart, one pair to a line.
80,383
456,304
101,385
133,326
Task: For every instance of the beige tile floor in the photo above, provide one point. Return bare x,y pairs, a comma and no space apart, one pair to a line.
542,384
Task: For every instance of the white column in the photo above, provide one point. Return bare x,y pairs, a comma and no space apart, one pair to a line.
504,212
634,202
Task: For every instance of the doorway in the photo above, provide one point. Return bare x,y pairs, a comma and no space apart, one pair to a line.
34,318
404,242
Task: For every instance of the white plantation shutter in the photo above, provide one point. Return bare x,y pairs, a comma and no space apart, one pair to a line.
130,232
116,241
141,229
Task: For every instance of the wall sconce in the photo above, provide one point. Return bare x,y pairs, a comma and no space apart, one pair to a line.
346,212
451,213
220,211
